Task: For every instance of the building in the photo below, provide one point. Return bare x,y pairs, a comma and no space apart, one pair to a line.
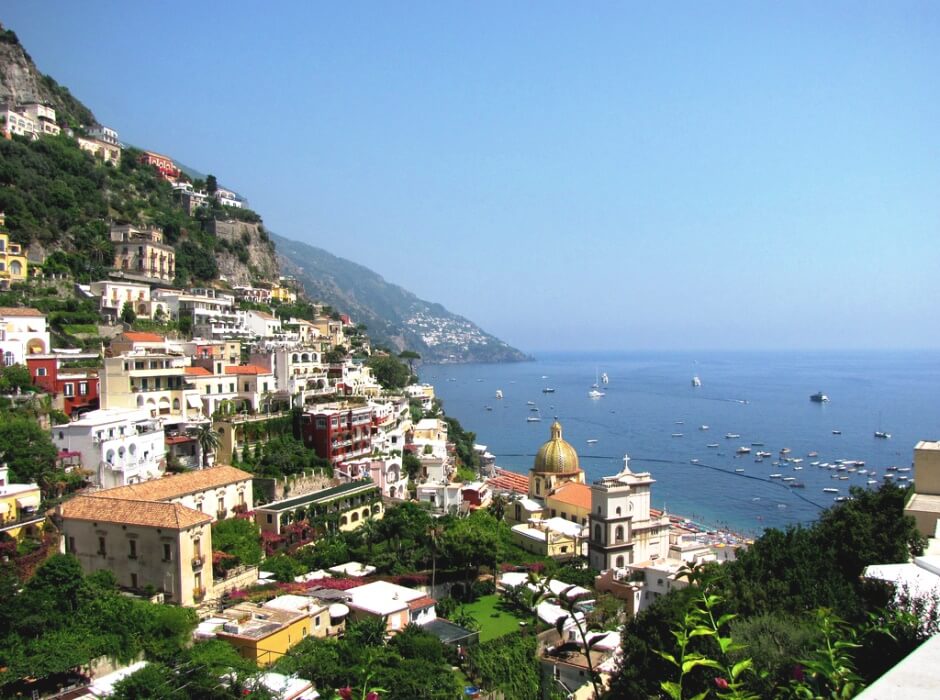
115,294
395,605
20,516
263,634
13,264
551,537
351,504
924,503
147,545
105,134
640,586
118,446
43,116
72,384
16,124
22,333
256,295
338,432
571,501
151,380
228,198
284,295
260,323
623,530
556,464
102,150
163,165
142,253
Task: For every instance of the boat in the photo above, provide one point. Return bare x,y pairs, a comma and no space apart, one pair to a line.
872,482
731,436
696,382
488,408
530,403
595,394
836,432
533,419
677,434
829,489
499,393
775,476
743,450
757,444
763,454
604,378
703,427
713,445
903,469
739,471
812,454
882,435
533,408
789,478
544,376
796,469
839,499
818,397
592,441
548,390
785,451
796,485
693,461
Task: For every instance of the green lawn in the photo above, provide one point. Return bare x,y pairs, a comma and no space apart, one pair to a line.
493,621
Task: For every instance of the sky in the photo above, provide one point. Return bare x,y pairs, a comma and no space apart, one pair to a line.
570,176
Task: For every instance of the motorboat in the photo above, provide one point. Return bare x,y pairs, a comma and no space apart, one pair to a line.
785,451
533,419
818,397
743,450
830,489
731,436
595,394
763,454
696,382
796,485
757,444
499,393
548,390
836,432
703,427
712,445
592,441
739,471
775,476
693,461
604,378
677,434
530,403
882,435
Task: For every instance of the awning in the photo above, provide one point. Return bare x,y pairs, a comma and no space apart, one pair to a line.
194,402
28,501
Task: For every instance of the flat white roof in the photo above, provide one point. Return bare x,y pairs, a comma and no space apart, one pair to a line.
382,597
565,527
103,416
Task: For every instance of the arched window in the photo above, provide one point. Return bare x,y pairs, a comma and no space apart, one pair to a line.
619,510
354,518
295,357
176,404
342,520
619,562
618,533
597,533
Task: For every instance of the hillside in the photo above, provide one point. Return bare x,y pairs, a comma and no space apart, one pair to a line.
394,316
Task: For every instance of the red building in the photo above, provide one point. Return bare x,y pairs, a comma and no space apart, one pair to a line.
163,164
338,433
58,375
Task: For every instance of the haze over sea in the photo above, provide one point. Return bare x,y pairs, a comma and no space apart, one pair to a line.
762,396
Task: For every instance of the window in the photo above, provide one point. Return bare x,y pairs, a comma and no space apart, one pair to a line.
68,389
134,581
167,552
270,519
618,534
71,546
101,548
41,372
133,550
316,622
83,388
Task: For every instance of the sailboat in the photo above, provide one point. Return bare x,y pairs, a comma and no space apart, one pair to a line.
696,382
604,378
595,393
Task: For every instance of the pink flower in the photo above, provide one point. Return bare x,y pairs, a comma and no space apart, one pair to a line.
721,683
798,674
345,693
372,695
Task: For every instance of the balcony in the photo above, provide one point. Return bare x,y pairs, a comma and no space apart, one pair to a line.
221,514
199,593
240,509
198,561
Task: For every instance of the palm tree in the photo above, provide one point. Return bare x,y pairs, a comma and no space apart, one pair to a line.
498,506
208,440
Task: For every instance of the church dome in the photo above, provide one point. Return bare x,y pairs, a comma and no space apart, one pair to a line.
556,456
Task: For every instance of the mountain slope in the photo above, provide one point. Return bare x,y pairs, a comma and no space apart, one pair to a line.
394,316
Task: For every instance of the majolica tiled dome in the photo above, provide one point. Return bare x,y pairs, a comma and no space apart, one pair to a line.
556,456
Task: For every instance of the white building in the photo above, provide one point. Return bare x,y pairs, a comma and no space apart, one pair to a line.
260,324
18,124
227,198
622,529
104,133
22,332
119,446
113,295
397,605
43,117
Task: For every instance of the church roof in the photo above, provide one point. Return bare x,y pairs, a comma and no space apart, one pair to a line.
556,456
573,493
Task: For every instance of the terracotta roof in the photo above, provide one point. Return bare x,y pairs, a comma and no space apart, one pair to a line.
506,480
201,371
247,369
574,494
141,337
177,485
178,439
19,311
422,602
132,512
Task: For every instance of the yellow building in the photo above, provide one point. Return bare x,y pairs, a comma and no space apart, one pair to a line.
556,464
570,501
13,267
19,509
283,295
263,634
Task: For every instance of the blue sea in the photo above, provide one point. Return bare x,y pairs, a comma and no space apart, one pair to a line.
761,396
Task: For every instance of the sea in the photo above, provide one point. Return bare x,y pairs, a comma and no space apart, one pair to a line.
651,411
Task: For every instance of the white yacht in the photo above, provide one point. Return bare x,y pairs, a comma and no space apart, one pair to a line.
499,393
696,382
595,394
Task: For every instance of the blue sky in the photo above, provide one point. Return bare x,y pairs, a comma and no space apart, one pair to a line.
569,176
